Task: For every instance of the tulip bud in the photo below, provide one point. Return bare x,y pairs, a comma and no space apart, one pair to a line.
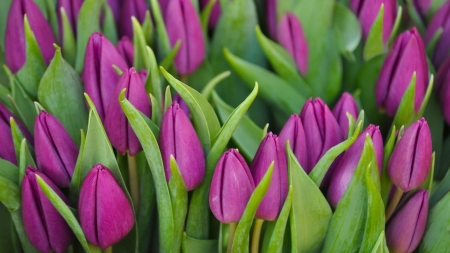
44,225
183,23
290,35
367,11
105,213
270,151
117,127
443,88
346,104
177,98
407,56
405,230
99,76
440,20
71,7
411,159
422,6
115,6
179,139
15,53
215,12
293,132
322,131
125,48
347,165
131,8
231,187
271,14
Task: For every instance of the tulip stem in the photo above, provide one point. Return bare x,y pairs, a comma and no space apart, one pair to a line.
233,226
108,250
134,181
393,204
255,236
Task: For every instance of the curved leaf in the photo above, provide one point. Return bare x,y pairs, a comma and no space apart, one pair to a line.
436,237
276,241
374,43
179,198
346,29
68,40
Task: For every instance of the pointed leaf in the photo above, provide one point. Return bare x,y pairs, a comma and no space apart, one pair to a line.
109,28
276,241
374,43
68,40
436,236
162,39
179,199
346,29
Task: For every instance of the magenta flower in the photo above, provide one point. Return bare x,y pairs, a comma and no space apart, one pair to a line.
443,88
294,133
131,8
346,104
215,12
271,14
440,20
125,48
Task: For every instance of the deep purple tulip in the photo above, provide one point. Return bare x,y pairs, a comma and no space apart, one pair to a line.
367,11
117,127
440,20
271,14
346,104
105,213
71,7
422,6
215,12
345,169
405,230
291,36
56,152
183,23
163,6
294,133
179,139
231,187
15,54
130,8
45,227
443,88
116,7
406,57
270,151
99,77
177,98
322,131
411,159
125,48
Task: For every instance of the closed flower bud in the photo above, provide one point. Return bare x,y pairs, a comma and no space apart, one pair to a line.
105,213
270,151
347,165
440,20
15,54
405,230
131,8
44,225
99,76
422,6
117,127
443,88
346,104
125,48
179,139
177,98
411,159
115,6
293,132
183,23
215,12
231,187
71,7
56,152
407,56
290,35
271,17
367,11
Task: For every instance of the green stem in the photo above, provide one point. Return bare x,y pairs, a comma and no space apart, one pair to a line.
393,204
108,250
134,180
233,226
255,236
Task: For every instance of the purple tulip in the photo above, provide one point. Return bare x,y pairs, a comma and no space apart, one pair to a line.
411,159
405,230
294,133
290,35
179,139
99,76
270,151
406,57
367,11
44,225
322,131
71,7
105,213
440,20
422,6
163,6
125,48
443,88
116,6
345,169
177,98
131,8
117,127
271,14
216,11
346,104
15,54
231,187
56,152
183,23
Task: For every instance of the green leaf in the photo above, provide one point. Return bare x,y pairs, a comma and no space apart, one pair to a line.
276,241
156,112
109,28
9,171
436,237
4,9
415,17
140,51
346,29
50,7
191,245
406,113
17,136
380,245
433,114
386,183
431,46
61,93
209,87
205,16
68,40
25,160
179,199
374,43
167,98
153,83
148,28
76,178
162,39
167,62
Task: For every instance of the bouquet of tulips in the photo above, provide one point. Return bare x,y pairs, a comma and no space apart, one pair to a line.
224,126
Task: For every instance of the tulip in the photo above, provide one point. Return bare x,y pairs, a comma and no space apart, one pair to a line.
367,11
405,230
440,20
294,133
270,151
271,14
115,6
406,57
117,127
179,139
131,8
44,225
56,152
290,35
177,98
99,76
125,48
410,161
346,104
443,88
105,213
15,54
422,6
322,131
71,7
347,165
183,23
231,187
215,12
